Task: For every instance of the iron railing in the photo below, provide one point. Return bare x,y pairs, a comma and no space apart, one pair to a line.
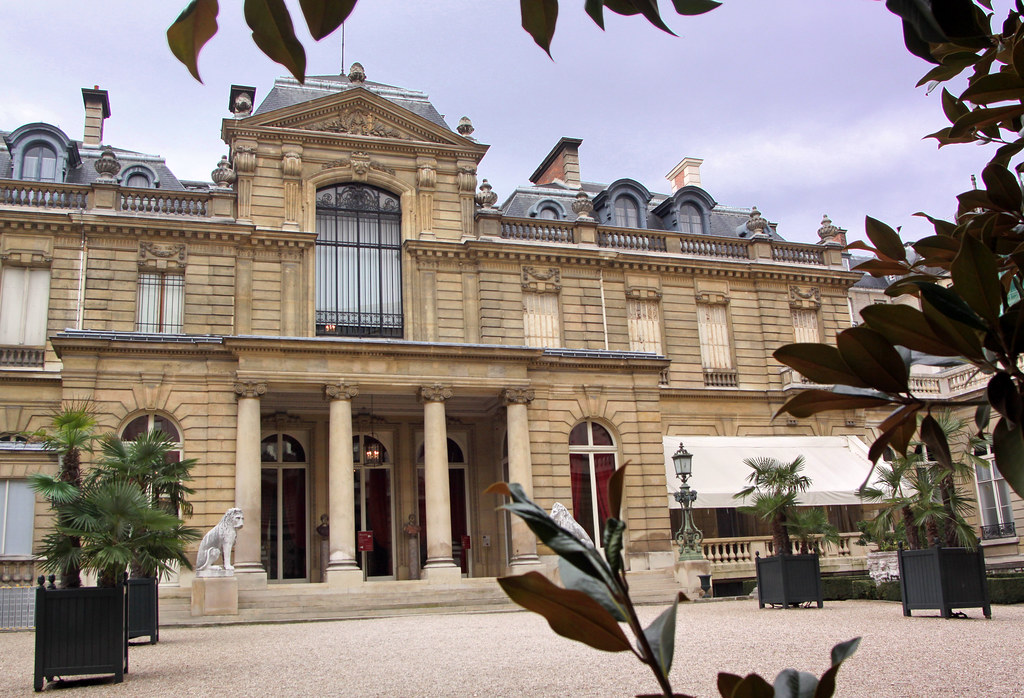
1002,530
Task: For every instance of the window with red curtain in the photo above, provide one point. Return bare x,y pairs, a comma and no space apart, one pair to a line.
592,460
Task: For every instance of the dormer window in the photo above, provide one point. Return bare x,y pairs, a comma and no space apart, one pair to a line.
689,219
547,209
688,210
39,163
623,204
137,180
139,177
627,213
548,213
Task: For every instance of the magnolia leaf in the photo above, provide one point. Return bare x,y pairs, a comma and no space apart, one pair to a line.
881,267
820,363
750,686
935,438
324,16
1004,398
948,68
952,106
1003,188
694,7
572,578
950,304
595,8
906,326
840,653
885,239
982,415
921,18
996,87
973,201
613,530
648,8
191,30
1005,152
791,683
661,637
616,485
539,19
1017,55
942,228
896,431
958,335
272,31
727,683
810,402
570,613
873,358
915,44
1008,447
937,249
983,117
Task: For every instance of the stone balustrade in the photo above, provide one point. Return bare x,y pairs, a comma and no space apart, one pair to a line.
101,196
733,558
17,571
43,194
22,357
163,202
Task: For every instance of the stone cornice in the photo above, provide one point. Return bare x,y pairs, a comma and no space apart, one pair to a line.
344,141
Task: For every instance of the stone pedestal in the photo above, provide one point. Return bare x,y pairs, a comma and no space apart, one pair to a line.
687,571
214,596
447,574
344,577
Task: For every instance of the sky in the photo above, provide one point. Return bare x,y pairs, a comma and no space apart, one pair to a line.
800,107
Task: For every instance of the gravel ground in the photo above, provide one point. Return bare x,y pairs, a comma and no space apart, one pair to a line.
516,654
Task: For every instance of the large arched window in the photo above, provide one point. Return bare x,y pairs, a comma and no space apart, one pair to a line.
358,262
39,163
592,460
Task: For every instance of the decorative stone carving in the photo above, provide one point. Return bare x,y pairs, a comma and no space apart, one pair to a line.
467,179
806,298
756,224
242,106
486,198
245,159
223,176
291,164
426,177
437,392
356,121
364,164
517,396
465,127
162,255
356,74
884,566
561,516
542,280
341,391
829,234
217,544
583,207
250,389
108,166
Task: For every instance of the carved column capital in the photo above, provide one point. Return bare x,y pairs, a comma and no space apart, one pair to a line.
250,389
516,396
245,159
291,164
341,391
435,393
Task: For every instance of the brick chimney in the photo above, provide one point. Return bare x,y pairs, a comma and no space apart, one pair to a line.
686,173
562,163
97,108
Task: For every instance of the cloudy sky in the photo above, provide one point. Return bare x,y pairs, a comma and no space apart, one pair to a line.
801,107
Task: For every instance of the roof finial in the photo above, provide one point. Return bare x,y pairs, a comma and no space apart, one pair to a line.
356,74
465,127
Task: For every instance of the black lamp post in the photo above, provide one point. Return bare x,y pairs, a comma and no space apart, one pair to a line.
688,537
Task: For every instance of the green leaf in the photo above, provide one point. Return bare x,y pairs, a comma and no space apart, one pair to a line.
648,8
983,117
873,359
595,8
191,30
694,7
572,578
1003,188
272,31
810,402
996,87
616,485
937,248
791,683
896,431
539,19
727,683
916,45
613,530
1004,398
1008,447
752,686
906,326
820,363
840,653
885,239
572,614
964,339
951,106
844,650
324,16
881,267
933,435
942,228
661,637
949,303
920,17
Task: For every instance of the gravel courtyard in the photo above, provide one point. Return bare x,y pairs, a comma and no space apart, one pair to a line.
516,654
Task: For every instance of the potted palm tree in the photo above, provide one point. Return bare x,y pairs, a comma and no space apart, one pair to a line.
810,528
783,579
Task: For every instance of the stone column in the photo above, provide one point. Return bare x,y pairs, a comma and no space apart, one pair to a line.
342,569
248,566
244,161
440,566
520,470
291,168
291,259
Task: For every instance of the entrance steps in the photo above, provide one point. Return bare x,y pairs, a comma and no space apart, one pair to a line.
291,603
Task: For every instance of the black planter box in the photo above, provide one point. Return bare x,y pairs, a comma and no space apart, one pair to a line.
143,609
943,579
80,631
788,580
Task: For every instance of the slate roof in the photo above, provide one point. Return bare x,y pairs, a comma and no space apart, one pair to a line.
288,91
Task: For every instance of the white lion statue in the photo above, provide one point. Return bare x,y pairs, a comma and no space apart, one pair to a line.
218,541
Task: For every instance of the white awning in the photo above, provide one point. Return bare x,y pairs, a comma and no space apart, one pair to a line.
836,465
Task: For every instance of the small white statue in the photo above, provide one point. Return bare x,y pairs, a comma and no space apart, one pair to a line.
563,518
217,544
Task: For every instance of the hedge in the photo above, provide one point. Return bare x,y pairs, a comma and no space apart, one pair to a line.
1002,589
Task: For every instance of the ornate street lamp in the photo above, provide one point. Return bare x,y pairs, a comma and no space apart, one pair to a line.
688,537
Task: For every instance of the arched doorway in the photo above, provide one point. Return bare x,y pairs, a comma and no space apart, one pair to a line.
284,530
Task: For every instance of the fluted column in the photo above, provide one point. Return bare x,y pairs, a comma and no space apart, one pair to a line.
440,566
248,567
342,569
520,470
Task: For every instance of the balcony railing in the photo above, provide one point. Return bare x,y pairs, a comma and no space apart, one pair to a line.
167,203
536,231
733,558
22,357
159,202
43,194
1003,530
621,239
720,379
797,254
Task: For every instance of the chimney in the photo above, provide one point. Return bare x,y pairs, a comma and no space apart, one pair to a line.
685,174
97,108
562,163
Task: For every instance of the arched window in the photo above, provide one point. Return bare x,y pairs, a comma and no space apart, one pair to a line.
39,163
167,483
627,213
149,422
593,458
282,448
358,262
689,219
548,213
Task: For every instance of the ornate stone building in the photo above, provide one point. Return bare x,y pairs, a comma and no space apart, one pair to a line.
345,323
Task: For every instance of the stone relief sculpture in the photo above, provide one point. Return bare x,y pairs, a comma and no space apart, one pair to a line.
563,518
217,544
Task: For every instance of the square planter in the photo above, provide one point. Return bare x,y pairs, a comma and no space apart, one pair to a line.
80,631
943,579
788,580
144,609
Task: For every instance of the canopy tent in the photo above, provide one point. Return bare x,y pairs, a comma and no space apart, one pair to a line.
836,465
